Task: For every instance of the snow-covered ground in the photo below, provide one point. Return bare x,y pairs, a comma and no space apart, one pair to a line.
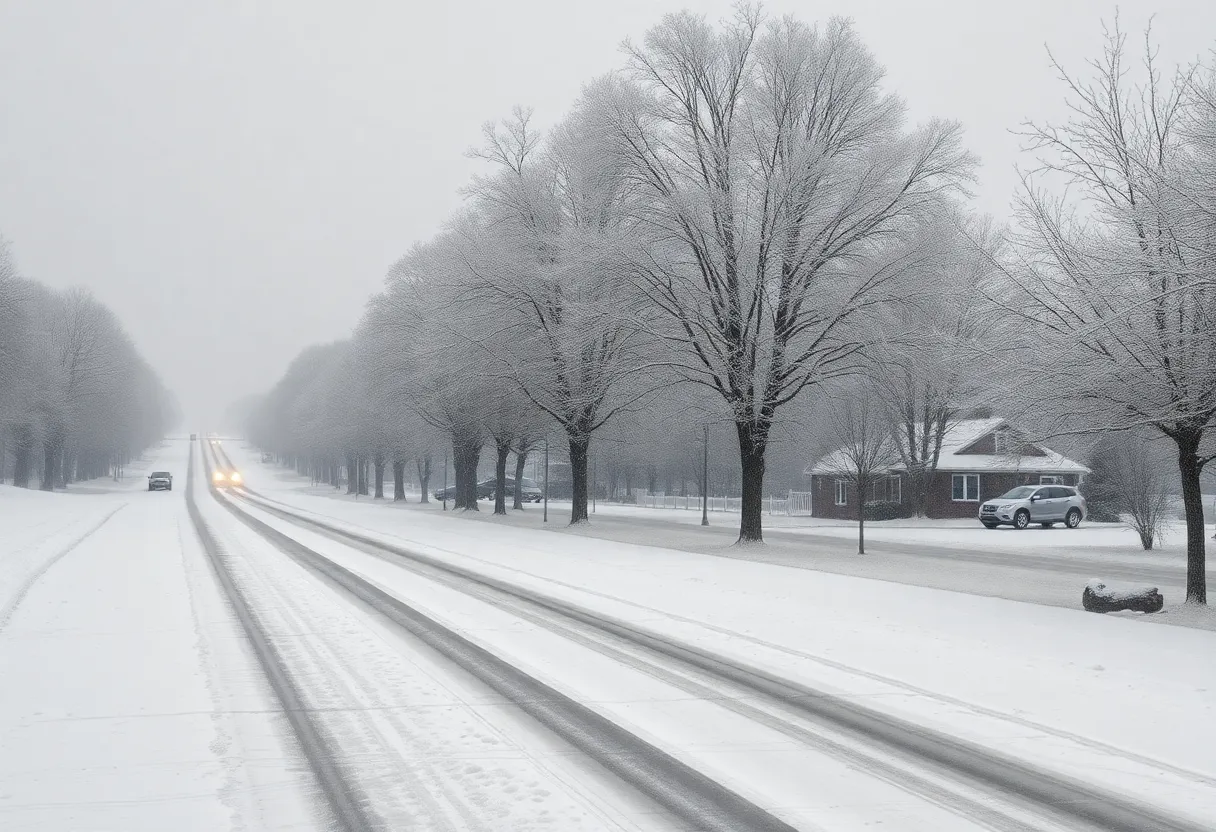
1099,697
1043,566
127,699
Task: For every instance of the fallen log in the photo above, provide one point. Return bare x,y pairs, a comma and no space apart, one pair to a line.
1098,597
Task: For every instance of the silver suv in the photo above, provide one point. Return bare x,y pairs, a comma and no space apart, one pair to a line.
1043,504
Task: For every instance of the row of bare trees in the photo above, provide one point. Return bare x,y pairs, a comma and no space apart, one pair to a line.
740,220
76,398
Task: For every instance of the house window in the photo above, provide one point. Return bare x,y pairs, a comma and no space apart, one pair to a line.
842,493
1000,441
1051,479
966,488
886,490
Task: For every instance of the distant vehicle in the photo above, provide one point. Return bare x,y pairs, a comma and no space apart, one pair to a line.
227,479
267,457
448,493
193,437
1042,504
160,481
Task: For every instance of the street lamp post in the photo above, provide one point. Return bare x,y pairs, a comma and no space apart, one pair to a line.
705,475
546,517
445,479
594,480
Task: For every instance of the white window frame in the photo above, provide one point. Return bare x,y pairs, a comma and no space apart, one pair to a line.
968,495
1051,479
842,492
898,489
1000,441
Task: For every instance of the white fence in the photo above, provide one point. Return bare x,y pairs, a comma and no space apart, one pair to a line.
795,502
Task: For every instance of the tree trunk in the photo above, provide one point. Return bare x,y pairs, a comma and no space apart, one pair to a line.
500,477
918,490
352,474
862,483
379,467
1192,500
579,444
465,454
752,445
424,477
50,463
23,459
398,481
521,457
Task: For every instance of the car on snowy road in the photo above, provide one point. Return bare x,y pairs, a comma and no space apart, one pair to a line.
1042,504
227,479
160,481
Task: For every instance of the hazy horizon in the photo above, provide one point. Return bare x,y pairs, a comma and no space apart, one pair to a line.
234,181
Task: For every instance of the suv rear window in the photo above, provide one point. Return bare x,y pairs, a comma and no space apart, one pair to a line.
1061,491
161,474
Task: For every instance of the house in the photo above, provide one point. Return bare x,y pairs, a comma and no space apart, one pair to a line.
980,459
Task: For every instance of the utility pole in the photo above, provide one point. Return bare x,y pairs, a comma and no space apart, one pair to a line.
445,479
546,517
594,479
705,475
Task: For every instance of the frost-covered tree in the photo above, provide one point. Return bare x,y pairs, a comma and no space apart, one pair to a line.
780,190
547,283
860,431
1115,282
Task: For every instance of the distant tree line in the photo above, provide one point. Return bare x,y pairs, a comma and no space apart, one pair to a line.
77,401
739,229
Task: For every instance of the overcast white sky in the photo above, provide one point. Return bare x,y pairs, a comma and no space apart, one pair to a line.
234,178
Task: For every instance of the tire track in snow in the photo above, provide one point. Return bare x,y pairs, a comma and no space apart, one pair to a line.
6,612
345,803
696,799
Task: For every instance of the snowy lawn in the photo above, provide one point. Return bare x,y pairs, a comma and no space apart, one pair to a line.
1050,677
929,553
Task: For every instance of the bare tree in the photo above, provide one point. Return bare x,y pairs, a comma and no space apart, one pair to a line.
781,191
931,365
545,279
1128,475
1117,286
861,433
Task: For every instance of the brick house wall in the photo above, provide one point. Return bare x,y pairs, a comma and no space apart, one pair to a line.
823,489
941,503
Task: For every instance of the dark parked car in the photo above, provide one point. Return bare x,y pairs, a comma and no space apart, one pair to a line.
531,492
485,490
160,481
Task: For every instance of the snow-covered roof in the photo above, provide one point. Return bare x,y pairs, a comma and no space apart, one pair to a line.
959,437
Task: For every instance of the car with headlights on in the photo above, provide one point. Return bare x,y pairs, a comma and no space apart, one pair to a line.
230,478
1042,504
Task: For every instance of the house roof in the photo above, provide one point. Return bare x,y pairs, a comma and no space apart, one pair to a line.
959,437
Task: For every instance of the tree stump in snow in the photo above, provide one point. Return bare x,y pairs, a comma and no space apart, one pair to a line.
1098,597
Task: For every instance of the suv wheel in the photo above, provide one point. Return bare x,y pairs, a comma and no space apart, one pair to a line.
1073,518
1022,519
